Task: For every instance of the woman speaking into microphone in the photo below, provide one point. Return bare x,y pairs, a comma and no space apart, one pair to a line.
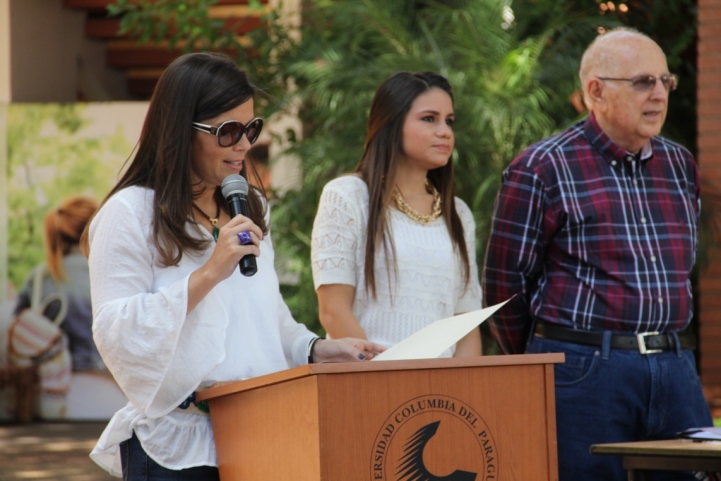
172,312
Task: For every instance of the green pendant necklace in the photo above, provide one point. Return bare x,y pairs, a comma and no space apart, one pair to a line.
213,221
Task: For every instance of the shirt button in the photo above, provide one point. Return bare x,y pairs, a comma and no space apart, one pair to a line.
629,158
653,258
613,163
643,220
635,182
660,300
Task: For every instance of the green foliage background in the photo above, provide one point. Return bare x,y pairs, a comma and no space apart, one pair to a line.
47,161
513,67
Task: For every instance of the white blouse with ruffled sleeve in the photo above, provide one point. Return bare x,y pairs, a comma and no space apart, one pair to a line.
158,352
428,284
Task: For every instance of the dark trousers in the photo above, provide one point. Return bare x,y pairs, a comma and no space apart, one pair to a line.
609,396
138,466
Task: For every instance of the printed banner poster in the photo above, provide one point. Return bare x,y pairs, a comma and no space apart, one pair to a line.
49,152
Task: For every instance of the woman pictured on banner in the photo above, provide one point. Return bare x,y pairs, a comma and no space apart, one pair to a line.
392,249
73,379
173,314
66,270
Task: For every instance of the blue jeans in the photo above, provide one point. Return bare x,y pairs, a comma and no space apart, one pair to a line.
607,396
138,466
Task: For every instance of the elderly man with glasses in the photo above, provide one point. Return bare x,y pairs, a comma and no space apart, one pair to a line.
595,230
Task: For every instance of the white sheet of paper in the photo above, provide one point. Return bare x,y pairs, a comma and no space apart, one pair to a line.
431,341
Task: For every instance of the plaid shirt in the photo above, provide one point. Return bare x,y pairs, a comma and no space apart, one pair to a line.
592,238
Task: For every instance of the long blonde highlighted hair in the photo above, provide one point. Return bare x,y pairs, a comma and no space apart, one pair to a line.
63,227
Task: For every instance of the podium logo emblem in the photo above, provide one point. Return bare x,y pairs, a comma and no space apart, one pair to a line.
412,466
434,438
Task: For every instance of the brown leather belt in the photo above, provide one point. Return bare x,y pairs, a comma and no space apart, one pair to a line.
645,343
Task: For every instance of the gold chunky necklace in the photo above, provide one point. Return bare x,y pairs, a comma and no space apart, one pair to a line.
415,215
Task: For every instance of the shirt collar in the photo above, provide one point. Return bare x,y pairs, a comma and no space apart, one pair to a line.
609,150
646,151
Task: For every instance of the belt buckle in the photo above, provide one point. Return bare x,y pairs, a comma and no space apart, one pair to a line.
642,343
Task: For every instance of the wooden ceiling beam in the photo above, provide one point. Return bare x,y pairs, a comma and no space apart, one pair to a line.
107,28
145,63
92,5
130,54
140,89
124,53
102,5
141,82
102,28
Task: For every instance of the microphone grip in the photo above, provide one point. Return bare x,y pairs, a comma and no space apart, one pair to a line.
238,205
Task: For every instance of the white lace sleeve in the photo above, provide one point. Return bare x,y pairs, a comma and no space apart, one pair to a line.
337,232
470,297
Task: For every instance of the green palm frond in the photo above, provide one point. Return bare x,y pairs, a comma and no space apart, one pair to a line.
512,82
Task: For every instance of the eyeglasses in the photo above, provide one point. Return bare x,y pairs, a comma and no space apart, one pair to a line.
230,132
646,83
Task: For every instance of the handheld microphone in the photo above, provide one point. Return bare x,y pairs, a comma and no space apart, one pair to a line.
235,191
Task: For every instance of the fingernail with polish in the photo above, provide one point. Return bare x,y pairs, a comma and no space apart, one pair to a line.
361,356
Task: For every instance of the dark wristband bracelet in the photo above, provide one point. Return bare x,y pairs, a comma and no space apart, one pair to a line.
311,347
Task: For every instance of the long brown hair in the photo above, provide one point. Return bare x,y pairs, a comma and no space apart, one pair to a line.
63,228
195,87
379,165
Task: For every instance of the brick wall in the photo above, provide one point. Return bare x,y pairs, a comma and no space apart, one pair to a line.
709,157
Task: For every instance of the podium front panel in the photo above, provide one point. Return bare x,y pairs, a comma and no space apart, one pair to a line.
470,423
479,422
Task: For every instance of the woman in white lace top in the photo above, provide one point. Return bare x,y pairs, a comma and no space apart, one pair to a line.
172,312
392,249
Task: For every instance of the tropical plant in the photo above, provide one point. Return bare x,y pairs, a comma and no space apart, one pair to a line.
513,71
501,106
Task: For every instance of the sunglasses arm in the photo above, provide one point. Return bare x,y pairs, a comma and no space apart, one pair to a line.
205,128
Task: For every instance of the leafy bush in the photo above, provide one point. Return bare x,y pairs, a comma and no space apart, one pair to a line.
514,73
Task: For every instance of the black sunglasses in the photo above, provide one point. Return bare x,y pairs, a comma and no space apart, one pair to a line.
646,83
230,132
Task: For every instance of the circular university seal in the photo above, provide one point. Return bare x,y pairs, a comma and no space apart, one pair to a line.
434,437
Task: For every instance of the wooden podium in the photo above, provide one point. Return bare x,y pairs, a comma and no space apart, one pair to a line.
484,418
